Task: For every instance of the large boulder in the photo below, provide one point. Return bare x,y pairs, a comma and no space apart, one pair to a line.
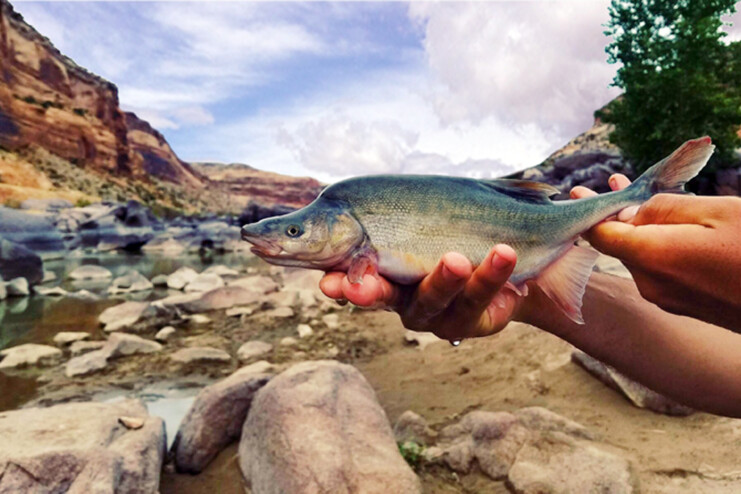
35,232
216,417
123,315
126,227
16,260
318,427
81,447
18,287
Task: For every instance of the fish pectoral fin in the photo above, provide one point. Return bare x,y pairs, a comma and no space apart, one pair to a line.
361,262
565,280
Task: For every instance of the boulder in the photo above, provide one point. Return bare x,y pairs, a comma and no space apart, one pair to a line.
178,279
253,349
132,281
200,354
29,354
204,282
81,347
124,315
17,287
122,344
321,410
165,334
87,363
81,447
64,338
636,393
16,261
126,227
216,418
90,272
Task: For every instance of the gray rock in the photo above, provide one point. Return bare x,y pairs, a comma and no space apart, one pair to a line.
253,349
17,287
55,291
165,334
29,354
178,279
16,260
216,418
87,363
81,448
90,272
334,406
64,338
160,280
123,315
81,347
200,354
204,283
636,393
413,427
122,344
132,281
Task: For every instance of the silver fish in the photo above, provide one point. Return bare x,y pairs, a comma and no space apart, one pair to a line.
400,225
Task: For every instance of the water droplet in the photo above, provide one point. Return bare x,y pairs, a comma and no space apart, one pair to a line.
455,342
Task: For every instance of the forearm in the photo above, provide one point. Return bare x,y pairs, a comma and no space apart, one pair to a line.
693,362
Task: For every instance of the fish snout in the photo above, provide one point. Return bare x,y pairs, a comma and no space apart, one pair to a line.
262,246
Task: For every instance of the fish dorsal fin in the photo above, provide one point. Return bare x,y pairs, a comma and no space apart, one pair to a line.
525,190
565,280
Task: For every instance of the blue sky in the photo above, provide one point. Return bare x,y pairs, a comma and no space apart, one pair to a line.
339,89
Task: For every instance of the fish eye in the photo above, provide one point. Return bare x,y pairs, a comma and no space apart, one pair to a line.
293,230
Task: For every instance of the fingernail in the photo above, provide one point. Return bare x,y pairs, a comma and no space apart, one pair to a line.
448,275
499,262
628,213
613,182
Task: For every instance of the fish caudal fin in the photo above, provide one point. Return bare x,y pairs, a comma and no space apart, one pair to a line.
671,173
565,280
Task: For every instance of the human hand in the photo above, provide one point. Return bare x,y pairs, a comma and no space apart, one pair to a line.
684,252
455,301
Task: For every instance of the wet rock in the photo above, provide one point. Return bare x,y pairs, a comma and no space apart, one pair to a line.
638,394
87,363
420,338
304,330
253,349
29,354
132,281
81,347
90,272
67,337
81,447
46,291
558,463
257,284
200,354
327,410
332,321
123,315
239,311
164,334
216,418
16,260
160,280
181,277
204,283
413,427
122,344
221,270
17,287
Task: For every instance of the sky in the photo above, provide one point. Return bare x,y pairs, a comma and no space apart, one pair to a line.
333,90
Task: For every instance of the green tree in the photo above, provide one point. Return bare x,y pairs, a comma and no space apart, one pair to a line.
680,79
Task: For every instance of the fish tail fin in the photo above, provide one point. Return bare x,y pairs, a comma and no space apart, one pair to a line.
671,173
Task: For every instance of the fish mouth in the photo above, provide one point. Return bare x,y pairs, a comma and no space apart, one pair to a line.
260,246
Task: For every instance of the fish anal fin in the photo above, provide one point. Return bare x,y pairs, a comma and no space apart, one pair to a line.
565,280
522,189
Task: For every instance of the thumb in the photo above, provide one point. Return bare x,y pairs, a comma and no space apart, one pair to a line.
617,239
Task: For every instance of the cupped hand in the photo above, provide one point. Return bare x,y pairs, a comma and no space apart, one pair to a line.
683,251
455,301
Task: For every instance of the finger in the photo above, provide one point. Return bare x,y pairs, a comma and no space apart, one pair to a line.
675,209
486,281
364,294
581,192
618,181
439,288
331,285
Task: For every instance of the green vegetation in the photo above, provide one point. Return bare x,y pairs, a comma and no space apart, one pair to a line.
12,203
681,80
81,203
411,452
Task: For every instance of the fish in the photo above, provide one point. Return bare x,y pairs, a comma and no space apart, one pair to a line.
399,226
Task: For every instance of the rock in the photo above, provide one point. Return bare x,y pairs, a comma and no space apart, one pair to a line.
87,363
122,344
258,284
304,330
302,279
160,280
48,276
16,260
221,298
307,299
66,337
281,298
253,349
327,410
638,394
288,341
544,420
239,311
55,291
180,278
29,354
200,354
332,321
83,295
413,427
279,313
199,319
204,283
123,315
420,338
90,272
131,423
221,270
3,291
80,347
53,204
132,281
164,244
216,418
127,227
81,448
558,463
17,287
35,232
165,334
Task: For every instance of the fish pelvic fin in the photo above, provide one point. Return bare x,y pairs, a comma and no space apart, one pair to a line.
673,172
565,280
